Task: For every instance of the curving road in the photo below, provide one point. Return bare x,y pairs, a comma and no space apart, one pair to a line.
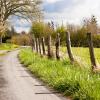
16,83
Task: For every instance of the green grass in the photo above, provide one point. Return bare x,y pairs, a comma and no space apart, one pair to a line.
5,46
83,55
71,80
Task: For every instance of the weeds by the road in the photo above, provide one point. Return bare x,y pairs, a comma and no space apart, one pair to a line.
79,83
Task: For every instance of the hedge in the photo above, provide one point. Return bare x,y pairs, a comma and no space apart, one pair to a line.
80,40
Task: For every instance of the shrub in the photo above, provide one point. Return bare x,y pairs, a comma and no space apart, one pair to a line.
21,39
80,40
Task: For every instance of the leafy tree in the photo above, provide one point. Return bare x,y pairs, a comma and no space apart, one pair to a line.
91,24
13,31
23,39
62,31
41,29
37,29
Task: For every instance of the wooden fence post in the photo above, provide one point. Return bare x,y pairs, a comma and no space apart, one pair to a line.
37,45
68,44
43,45
49,47
31,41
91,50
57,44
39,41
34,44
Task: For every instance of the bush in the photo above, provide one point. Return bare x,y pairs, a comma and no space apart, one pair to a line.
21,39
96,41
80,40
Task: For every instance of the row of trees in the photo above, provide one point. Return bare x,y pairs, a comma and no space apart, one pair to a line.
31,10
78,33
40,29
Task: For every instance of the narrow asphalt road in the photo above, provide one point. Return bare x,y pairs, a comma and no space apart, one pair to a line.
16,83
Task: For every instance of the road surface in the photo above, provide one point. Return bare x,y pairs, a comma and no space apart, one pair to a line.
16,83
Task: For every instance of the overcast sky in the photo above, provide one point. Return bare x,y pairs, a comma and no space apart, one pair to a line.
68,11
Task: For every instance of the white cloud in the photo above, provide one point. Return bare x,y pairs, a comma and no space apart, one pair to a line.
71,11
20,29
20,24
51,1
76,11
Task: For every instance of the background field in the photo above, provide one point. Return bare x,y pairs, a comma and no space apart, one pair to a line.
82,55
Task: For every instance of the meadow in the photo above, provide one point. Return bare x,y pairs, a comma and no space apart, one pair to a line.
8,46
72,80
81,54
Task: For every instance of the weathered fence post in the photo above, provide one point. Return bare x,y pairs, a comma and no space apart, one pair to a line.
34,44
57,44
68,44
49,47
91,50
31,41
37,43
43,45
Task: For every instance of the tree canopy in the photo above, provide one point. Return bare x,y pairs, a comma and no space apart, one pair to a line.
41,29
28,9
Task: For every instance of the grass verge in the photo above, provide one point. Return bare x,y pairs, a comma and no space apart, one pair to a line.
80,84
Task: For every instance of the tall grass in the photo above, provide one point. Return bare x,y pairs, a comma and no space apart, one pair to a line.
71,80
82,54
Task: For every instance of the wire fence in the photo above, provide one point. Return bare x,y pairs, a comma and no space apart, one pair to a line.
85,56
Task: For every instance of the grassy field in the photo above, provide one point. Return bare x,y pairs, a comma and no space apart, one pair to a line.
71,80
6,46
82,54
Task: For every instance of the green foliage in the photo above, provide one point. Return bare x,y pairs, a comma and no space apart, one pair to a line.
96,41
80,40
68,79
40,29
23,39
78,35
62,31
8,46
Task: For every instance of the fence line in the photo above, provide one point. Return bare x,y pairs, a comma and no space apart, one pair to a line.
39,47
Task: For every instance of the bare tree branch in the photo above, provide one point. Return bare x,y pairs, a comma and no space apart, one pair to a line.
28,9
